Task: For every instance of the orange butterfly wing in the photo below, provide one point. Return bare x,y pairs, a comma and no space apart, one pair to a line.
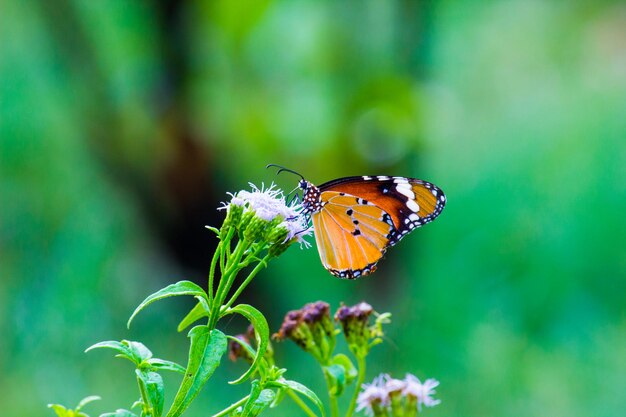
358,218
351,236
410,202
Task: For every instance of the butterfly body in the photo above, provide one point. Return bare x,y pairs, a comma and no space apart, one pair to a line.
356,219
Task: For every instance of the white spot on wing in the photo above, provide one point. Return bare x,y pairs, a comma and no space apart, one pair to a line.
412,205
406,190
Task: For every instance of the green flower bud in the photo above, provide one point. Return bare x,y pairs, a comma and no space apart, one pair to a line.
233,216
271,229
253,232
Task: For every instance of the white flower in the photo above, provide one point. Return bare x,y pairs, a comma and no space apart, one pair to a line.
393,385
269,203
422,392
373,394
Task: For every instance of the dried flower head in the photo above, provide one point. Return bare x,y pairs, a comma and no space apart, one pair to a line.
356,329
311,328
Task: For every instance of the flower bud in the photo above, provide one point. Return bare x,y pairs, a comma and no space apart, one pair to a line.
233,216
317,317
255,229
294,327
355,323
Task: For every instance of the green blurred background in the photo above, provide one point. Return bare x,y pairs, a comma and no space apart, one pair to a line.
124,123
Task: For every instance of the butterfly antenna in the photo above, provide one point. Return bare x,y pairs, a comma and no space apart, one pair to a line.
281,169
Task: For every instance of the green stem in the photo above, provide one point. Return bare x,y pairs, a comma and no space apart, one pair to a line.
216,256
145,398
226,279
232,407
357,387
301,403
245,283
334,406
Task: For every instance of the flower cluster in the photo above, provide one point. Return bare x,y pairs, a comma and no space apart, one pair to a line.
311,328
400,397
263,214
355,322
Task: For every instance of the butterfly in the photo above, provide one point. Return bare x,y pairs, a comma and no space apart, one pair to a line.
356,219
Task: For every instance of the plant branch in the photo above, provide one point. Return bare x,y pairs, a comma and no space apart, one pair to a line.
231,407
257,268
301,403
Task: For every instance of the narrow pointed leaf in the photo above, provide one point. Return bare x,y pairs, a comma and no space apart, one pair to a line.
179,288
206,350
124,351
86,401
200,310
136,352
60,410
152,386
262,400
255,391
300,389
119,413
261,332
166,365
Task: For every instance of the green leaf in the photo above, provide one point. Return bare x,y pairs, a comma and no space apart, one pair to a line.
119,413
136,352
280,395
180,288
259,402
60,410
300,389
213,229
165,365
206,350
152,389
348,366
337,378
261,332
86,401
255,391
200,310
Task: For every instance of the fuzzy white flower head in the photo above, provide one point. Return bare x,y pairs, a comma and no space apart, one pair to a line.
374,394
269,203
423,392
393,385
